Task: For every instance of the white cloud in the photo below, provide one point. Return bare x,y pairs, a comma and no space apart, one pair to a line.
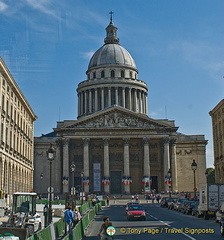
88,55
3,6
41,5
201,54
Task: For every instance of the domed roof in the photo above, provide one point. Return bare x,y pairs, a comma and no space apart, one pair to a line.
112,54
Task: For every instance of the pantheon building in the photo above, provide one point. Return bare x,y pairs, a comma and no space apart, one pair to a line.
115,146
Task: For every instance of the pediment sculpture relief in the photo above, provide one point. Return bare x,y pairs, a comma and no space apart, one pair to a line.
116,120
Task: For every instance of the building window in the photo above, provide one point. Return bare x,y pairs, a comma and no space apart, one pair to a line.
102,74
3,102
130,74
122,74
112,73
94,74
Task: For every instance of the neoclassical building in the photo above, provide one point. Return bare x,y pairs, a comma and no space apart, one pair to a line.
114,144
217,115
16,136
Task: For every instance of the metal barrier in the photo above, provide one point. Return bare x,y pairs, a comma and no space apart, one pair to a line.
57,230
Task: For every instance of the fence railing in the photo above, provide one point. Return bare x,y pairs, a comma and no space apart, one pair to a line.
57,230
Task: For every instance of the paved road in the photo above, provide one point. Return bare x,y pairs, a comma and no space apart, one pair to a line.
161,223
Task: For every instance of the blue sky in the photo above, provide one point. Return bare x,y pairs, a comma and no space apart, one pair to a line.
177,45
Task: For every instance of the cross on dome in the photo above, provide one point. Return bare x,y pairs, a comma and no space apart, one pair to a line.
111,14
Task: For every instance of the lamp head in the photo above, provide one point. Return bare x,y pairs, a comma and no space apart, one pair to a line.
50,153
194,165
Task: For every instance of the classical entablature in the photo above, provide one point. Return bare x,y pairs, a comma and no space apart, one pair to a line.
118,118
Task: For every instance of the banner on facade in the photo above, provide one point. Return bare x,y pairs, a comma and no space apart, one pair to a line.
96,177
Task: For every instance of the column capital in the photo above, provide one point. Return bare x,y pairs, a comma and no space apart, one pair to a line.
58,142
126,140
146,140
86,140
173,140
106,141
166,140
65,141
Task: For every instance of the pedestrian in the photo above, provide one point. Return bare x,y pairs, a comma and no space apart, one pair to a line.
108,200
77,216
68,216
136,197
93,202
158,198
103,233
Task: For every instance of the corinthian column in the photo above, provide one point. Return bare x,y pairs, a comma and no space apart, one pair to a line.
65,165
166,159
126,164
174,165
90,100
116,95
102,98
57,177
109,97
96,100
123,97
86,162
146,157
106,163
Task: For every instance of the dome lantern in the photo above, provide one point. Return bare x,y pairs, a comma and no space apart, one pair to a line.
111,31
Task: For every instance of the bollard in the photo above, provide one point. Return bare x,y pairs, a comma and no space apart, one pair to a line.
45,215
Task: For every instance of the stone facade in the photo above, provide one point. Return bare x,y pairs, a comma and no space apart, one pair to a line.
16,136
217,114
114,144
145,147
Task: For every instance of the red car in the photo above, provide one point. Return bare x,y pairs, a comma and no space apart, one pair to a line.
136,212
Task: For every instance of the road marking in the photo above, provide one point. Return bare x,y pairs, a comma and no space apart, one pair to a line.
171,227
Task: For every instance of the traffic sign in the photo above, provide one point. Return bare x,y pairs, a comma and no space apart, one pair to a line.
50,189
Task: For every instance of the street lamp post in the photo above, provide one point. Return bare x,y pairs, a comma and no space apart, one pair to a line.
169,174
206,175
50,157
82,175
73,167
41,179
194,168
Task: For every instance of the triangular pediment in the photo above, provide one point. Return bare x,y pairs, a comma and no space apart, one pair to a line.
118,117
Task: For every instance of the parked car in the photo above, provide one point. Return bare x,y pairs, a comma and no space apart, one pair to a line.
219,213
194,211
171,203
222,225
187,209
136,211
179,201
182,206
164,201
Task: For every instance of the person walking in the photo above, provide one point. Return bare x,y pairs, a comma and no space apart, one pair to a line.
103,230
108,200
68,216
77,216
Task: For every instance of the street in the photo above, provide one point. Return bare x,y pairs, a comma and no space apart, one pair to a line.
161,223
